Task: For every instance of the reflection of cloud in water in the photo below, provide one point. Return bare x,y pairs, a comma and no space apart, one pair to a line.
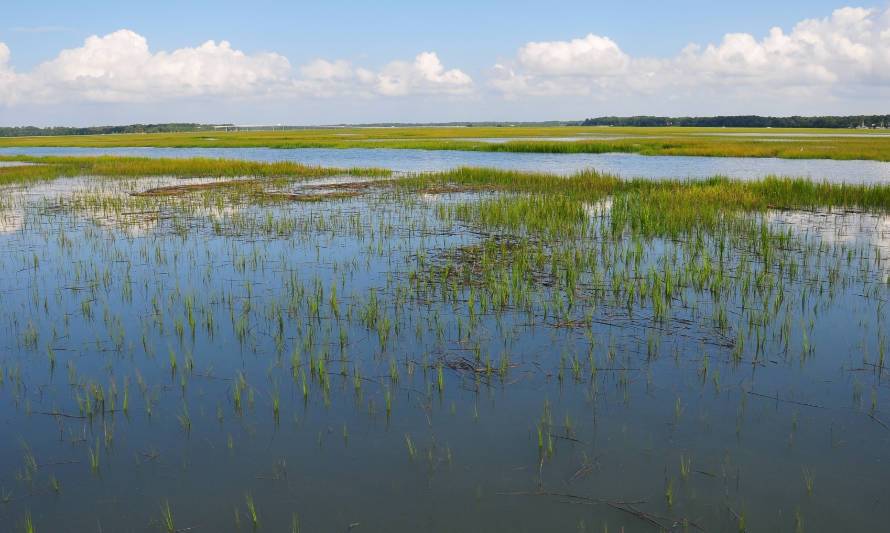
218,212
90,185
599,208
430,198
11,221
849,228
135,225
87,196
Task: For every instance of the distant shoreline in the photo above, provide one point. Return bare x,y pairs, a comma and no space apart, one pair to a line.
728,121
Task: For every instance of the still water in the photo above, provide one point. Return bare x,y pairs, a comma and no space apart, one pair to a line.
387,362
625,165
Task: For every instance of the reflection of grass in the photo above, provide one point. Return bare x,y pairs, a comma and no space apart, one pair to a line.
809,480
647,141
251,510
167,518
412,451
94,457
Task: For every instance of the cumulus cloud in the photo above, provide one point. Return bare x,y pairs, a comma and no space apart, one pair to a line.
425,75
321,69
844,57
848,49
592,55
7,75
120,67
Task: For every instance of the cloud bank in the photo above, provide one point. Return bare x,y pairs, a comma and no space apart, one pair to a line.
848,50
120,67
424,75
842,59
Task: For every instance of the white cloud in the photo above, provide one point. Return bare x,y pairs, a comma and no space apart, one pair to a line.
849,49
4,58
425,75
837,63
7,75
324,70
592,55
120,67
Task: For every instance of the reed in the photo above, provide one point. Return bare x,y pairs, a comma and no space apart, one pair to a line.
167,520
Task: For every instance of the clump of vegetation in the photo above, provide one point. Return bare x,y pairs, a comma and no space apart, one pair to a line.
42,168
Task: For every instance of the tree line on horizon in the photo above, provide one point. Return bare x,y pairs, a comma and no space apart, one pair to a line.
30,131
746,121
733,121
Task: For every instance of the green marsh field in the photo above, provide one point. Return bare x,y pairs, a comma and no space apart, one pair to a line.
205,344
720,142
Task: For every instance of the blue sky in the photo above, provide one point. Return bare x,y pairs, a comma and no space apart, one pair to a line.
489,60
471,32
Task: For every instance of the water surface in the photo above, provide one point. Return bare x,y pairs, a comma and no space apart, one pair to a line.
364,365
625,165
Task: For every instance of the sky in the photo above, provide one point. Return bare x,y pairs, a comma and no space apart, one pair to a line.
262,62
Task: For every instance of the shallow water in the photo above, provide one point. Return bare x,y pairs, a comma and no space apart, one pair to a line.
156,336
626,165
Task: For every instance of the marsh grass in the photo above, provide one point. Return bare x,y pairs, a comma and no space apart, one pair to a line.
252,510
43,168
28,524
167,520
646,141
680,198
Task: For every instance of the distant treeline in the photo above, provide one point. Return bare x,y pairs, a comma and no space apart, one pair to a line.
745,121
29,131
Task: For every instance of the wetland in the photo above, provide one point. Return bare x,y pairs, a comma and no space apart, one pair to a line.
202,344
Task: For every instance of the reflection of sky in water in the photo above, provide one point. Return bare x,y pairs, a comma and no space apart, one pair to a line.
625,165
10,221
18,199
623,417
836,227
